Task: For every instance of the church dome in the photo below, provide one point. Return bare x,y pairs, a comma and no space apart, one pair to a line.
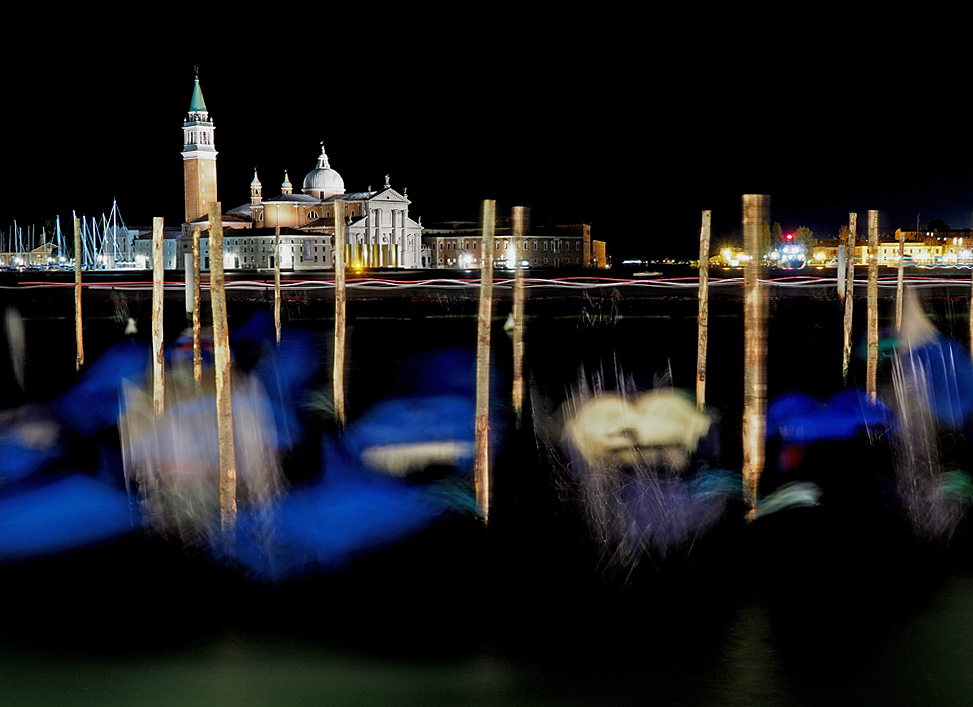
323,181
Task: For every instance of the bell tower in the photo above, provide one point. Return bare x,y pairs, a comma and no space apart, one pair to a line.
198,158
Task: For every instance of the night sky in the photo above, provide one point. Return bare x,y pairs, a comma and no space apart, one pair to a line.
632,125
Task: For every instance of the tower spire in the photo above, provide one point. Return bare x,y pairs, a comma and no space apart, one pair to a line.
255,189
199,157
197,104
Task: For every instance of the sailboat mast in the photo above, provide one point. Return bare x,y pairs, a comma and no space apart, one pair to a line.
114,233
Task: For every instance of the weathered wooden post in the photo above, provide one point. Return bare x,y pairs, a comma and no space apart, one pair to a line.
871,373
842,277
78,257
197,344
849,296
898,285
187,260
221,355
971,315
518,312
481,463
277,282
338,371
756,214
158,296
703,319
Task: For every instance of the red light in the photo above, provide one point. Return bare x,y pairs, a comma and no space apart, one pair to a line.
789,237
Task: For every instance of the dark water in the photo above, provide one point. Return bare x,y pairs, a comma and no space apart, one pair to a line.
795,610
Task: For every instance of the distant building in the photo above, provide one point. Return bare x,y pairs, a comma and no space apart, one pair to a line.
39,256
919,248
379,231
458,245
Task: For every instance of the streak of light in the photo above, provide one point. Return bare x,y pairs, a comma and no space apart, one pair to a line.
575,283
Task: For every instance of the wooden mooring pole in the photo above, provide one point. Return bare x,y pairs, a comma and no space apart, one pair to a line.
898,286
871,371
481,462
703,319
197,344
756,215
158,297
221,355
78,257
517,231
849,296
338,370
277,282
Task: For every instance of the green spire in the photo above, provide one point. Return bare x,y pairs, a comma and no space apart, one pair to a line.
197,105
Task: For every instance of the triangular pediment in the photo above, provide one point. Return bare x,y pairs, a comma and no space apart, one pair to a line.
388,194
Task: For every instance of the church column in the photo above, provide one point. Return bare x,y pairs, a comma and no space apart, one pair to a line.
377,237
400,238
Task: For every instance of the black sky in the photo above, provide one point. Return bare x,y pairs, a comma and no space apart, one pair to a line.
634,125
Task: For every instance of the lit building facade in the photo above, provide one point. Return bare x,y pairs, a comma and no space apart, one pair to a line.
459,246
379,231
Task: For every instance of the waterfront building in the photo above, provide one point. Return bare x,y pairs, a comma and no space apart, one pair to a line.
379,232
40,256
458,245
919,249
